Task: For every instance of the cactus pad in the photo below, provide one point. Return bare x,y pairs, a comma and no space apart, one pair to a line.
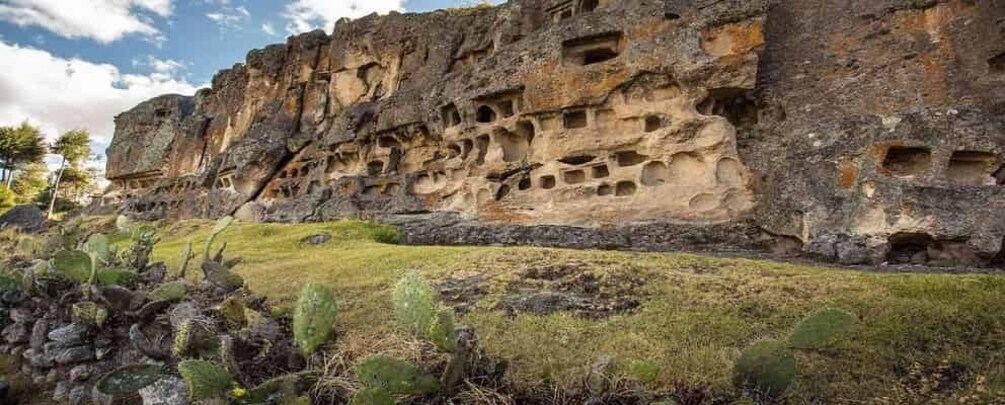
125,381
372,396
89,313
204,379
74,264
398,377
822,328
314,317
414,303
767,367
173,291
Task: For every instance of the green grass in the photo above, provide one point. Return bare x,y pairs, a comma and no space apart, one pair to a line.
697,312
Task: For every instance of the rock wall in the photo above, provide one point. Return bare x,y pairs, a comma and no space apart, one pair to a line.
858,131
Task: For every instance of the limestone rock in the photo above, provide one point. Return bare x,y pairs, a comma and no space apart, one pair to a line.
169,390
725,125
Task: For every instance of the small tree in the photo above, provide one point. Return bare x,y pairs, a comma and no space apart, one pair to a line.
19,146
74,147
29,182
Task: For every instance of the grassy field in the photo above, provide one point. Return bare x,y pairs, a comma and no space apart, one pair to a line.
920,338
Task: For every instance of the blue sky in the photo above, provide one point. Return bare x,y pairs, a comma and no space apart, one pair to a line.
68,64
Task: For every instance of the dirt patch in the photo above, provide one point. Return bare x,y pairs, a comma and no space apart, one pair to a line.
546,288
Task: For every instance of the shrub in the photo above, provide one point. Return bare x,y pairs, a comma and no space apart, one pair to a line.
384,234
7,198
314,317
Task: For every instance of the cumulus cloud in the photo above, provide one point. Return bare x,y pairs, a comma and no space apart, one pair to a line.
307,15
60,94
230,18
102,20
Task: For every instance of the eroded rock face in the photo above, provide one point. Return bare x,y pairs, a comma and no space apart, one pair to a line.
856,132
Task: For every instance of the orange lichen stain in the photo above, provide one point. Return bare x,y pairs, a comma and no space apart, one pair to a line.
848,174
932,22
495,212
553,85
733,38
650,29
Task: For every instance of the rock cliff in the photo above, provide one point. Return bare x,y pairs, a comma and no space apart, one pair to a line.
864,131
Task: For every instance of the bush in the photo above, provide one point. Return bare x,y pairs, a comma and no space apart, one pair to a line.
7,198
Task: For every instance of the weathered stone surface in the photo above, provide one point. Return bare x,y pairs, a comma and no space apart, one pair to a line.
27,218
169,390
69,335
860,132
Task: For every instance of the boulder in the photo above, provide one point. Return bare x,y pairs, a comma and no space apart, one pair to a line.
27,218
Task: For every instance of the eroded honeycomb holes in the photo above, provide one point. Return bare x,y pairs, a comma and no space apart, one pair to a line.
907,161
972,167
592,49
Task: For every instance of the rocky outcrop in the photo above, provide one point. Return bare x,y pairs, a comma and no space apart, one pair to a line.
25,218
860,132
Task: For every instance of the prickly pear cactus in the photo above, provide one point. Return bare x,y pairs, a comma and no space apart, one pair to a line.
767,367
372,396
125,381
414,303
89,313
99,246
186,256
219,276
822,328
314,317
74,264
441,332
233,310
171,291
281,387
221,225
204,379
182,339
397,377
115,276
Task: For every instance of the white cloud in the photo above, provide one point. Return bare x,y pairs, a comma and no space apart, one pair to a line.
268,29
102,20
59,94
161,69
230,18
307,15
